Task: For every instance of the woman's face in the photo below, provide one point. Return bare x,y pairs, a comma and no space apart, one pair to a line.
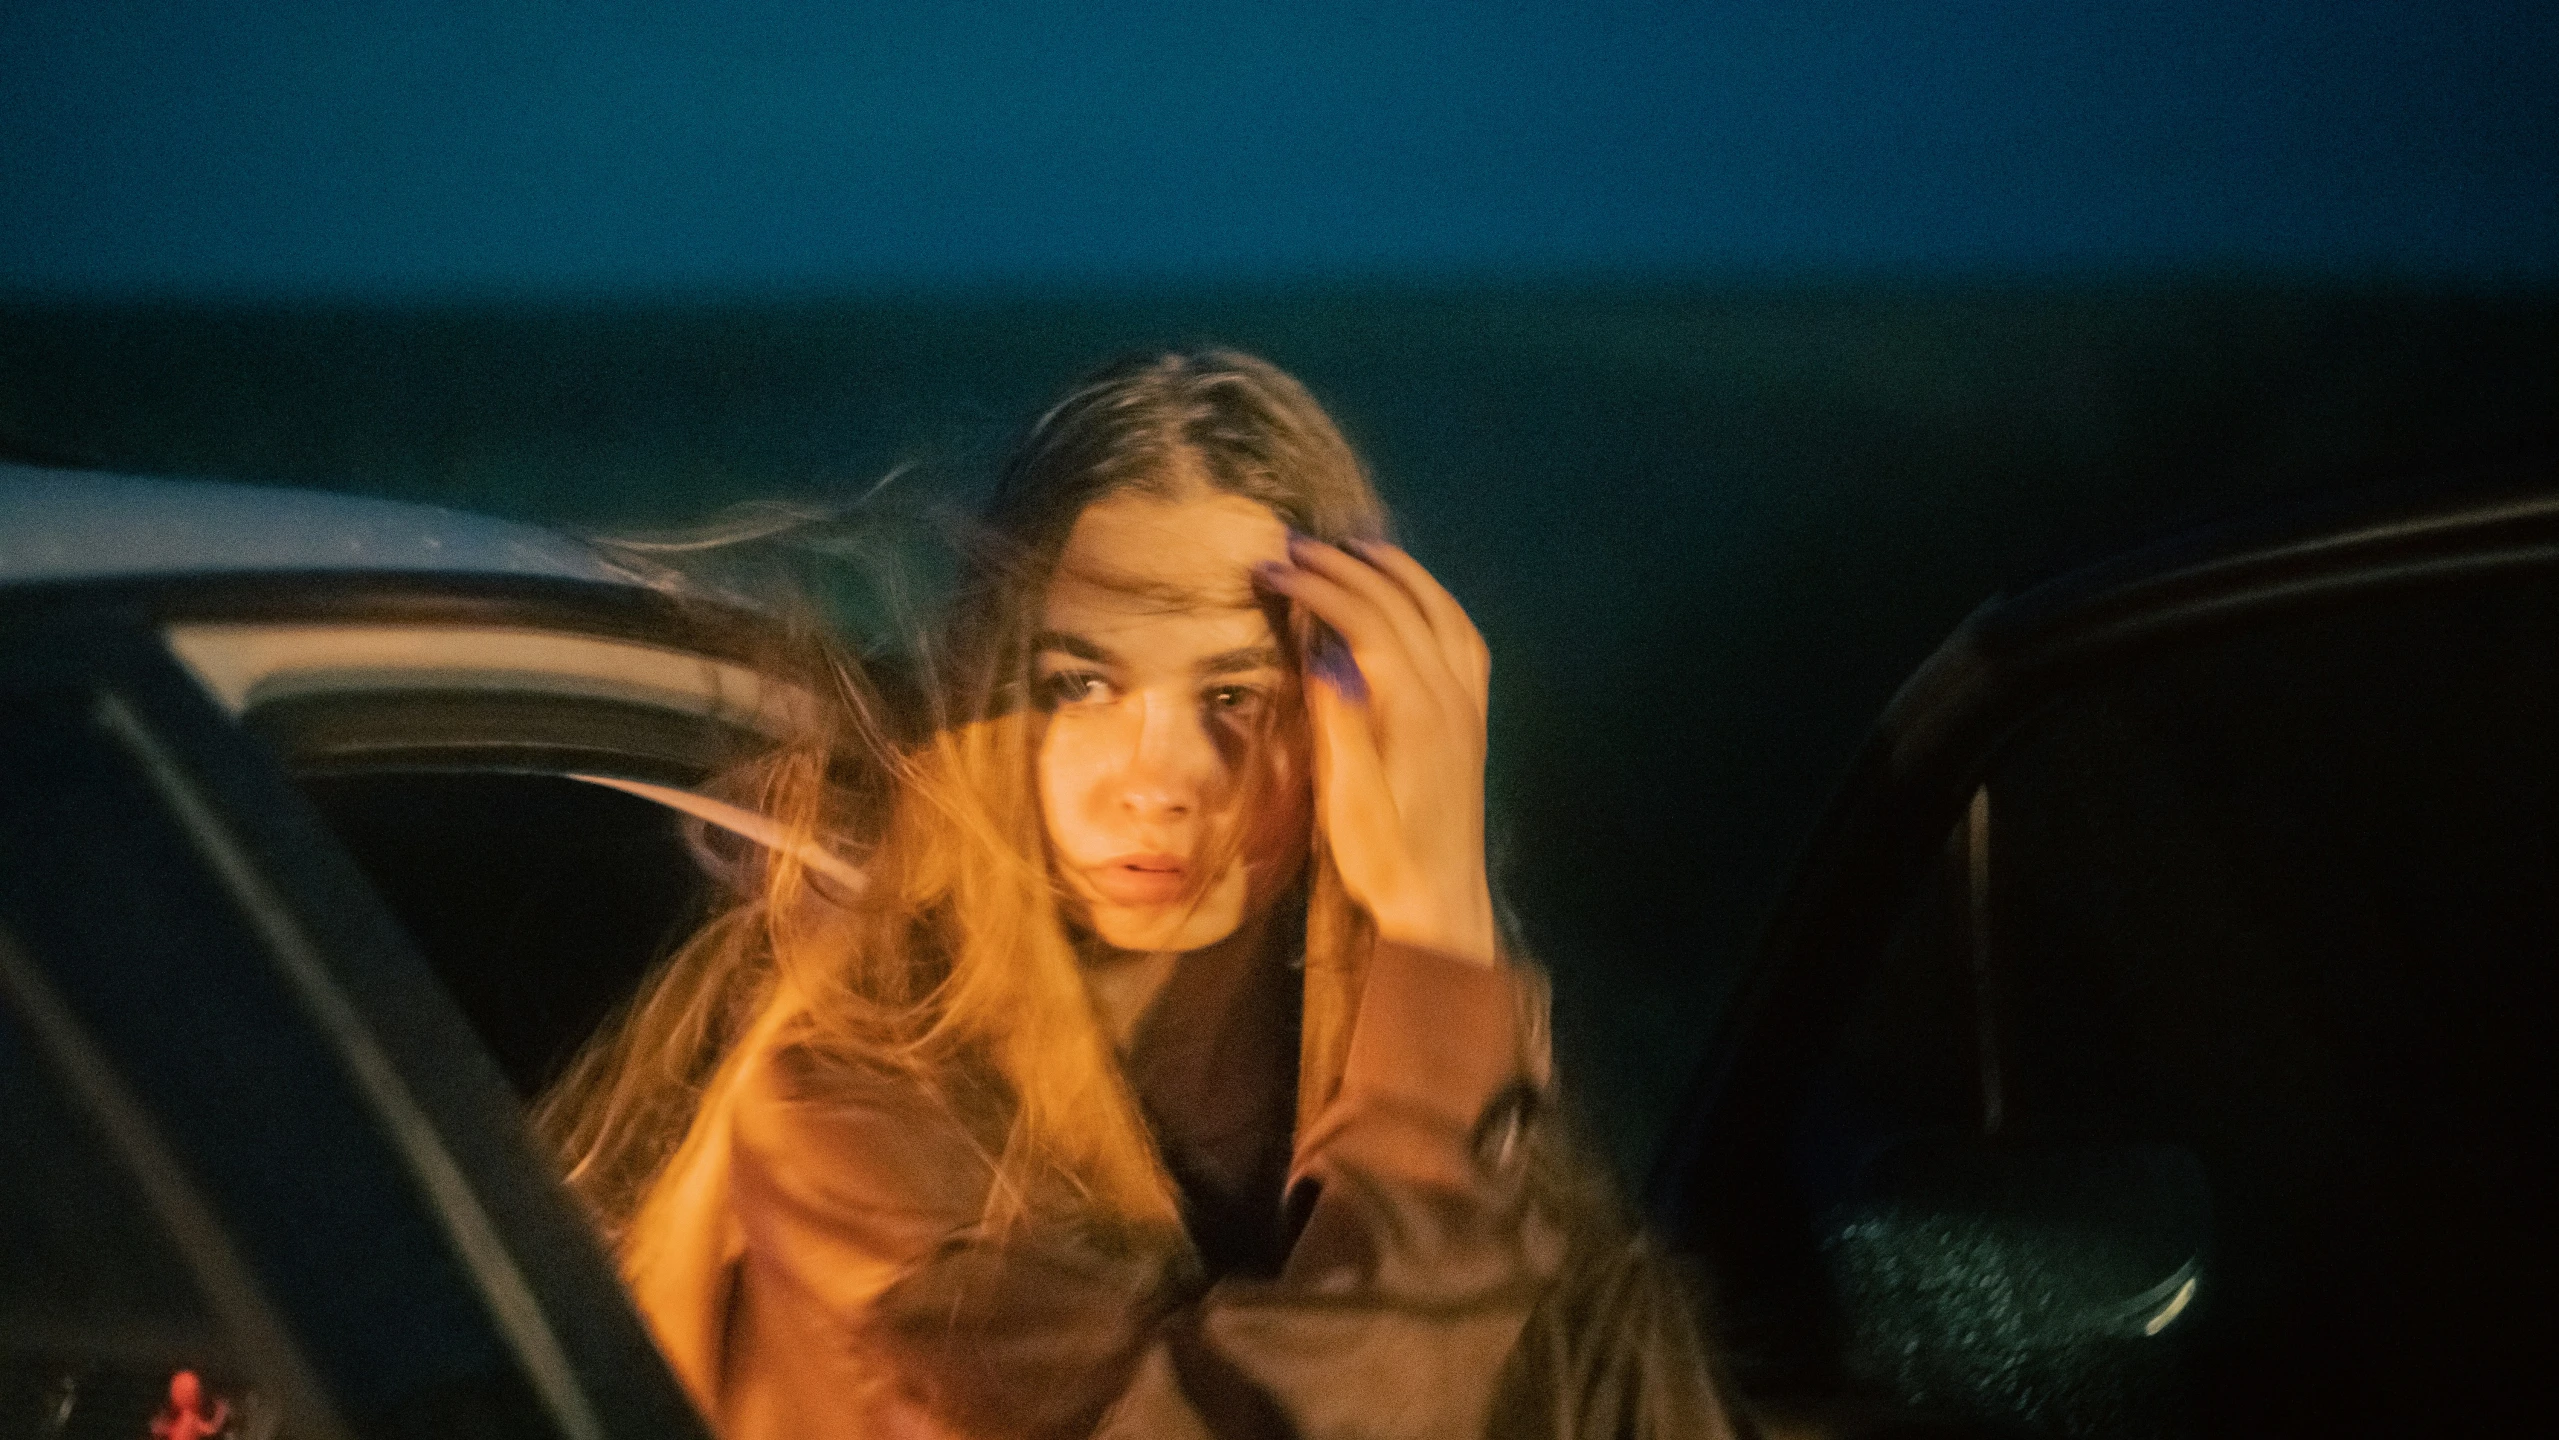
1157,667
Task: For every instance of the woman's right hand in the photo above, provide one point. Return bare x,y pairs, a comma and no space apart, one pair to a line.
1399,737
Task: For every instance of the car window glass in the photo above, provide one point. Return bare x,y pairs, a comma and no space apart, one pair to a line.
2279,904
539,900
1901,1063
1905,1063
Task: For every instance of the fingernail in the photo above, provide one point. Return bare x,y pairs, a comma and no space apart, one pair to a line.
1331,662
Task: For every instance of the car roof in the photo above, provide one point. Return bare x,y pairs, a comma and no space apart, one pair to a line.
72,525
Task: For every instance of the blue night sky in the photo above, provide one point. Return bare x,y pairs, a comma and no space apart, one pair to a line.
575,147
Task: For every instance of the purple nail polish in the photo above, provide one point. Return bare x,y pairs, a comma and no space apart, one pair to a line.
1330,661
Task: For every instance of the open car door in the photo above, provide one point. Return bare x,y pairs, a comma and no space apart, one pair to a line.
251,1137
2154,1041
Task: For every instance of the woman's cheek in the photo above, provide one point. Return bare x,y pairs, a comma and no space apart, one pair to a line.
1067,777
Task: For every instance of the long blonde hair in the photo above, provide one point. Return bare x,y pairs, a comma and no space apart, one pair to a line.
955,965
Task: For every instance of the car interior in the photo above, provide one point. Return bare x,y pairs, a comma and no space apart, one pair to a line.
539,900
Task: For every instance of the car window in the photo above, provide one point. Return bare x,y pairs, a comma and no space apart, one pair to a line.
1900,1062
441,757
2279,905
2291,900
539,900
1906,1062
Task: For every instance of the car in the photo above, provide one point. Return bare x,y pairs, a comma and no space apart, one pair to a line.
298,899
2149,1042
2154,1038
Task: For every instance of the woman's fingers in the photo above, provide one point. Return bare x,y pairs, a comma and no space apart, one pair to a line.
1347,765
1401,777
1382,654
1392,605
1355,798
1439,607
1453,628
1395,610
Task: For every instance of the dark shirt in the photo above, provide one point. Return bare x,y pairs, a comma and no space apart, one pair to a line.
1214,1068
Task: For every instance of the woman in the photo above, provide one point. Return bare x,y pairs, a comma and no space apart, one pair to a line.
1160,1070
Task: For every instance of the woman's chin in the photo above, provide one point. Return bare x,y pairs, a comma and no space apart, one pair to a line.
1134,917
1164,927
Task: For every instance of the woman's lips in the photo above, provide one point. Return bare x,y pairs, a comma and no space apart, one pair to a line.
1140,879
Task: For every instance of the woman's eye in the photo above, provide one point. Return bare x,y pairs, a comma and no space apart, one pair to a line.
1073,687
1236,701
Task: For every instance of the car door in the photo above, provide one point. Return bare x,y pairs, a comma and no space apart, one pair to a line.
2155,1044
251,1137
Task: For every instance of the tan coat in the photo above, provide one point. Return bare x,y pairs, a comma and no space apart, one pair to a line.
847,1287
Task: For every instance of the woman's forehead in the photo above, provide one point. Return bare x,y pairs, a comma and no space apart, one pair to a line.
1132,557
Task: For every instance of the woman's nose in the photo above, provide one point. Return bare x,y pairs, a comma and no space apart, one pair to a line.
1171,764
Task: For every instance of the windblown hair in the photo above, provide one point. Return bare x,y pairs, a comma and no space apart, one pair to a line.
955,965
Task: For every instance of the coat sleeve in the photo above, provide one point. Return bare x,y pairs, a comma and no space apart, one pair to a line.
1403,1294
1420,1256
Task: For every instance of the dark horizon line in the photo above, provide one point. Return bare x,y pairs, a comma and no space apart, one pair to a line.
2207,275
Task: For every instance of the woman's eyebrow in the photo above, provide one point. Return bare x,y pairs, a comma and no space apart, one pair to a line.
1075,645
1236,662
